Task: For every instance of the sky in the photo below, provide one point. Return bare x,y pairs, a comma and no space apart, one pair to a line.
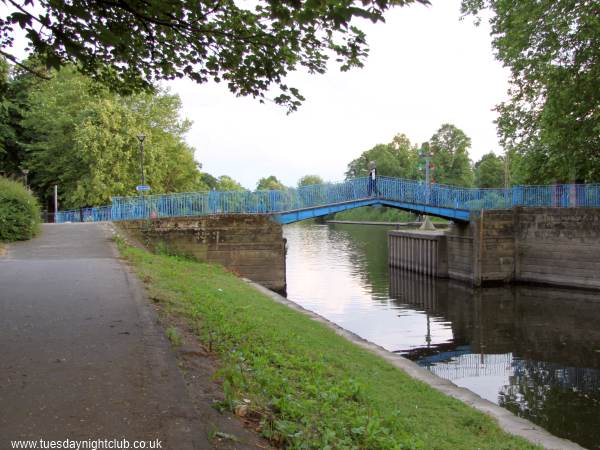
426,67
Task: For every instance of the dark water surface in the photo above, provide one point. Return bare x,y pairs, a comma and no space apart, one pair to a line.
533,350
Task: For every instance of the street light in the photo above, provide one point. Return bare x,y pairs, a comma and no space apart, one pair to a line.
426,154
26,172
141,138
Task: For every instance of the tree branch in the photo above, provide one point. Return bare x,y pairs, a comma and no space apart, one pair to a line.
23,66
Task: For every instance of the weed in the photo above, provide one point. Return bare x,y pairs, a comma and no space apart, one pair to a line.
174,336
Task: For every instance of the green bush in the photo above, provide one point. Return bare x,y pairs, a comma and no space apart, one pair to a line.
19,212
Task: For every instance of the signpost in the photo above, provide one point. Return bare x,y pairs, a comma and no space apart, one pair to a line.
142,188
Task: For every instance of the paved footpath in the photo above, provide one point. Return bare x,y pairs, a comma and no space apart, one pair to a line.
81,355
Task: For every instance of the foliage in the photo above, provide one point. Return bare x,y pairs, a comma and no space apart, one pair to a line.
450,163
398,158
489,171
309,387
270,183
380,214
85,141
19,212
15,86
223,183
309,180
129,45
208,180
552,119
226,183
375,214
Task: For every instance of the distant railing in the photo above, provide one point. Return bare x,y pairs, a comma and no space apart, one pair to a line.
386,188
97,214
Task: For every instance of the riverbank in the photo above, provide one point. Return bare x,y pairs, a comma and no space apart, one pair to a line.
298,381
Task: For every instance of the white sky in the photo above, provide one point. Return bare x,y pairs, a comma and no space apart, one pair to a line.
426,68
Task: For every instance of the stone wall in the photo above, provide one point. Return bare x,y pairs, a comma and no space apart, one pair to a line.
558,246
495,249
251,246
461,252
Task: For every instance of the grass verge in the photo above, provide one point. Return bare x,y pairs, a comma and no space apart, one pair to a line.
305,385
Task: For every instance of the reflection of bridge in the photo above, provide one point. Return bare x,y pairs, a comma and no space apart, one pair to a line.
307,202
470,365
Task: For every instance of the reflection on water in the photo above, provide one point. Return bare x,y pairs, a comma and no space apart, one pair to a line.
532,350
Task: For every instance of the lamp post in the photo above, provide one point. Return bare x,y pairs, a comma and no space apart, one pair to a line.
26,172
425,154
141,138
427,157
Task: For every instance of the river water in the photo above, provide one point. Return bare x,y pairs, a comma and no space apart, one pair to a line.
533,350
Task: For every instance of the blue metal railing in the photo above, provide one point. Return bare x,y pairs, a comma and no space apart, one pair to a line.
97,214
389,189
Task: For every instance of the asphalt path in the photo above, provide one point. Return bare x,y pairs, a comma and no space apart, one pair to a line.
81,354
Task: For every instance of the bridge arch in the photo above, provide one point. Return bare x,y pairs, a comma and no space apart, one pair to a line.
298,215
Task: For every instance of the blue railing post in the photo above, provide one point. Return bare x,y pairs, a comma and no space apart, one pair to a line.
517,197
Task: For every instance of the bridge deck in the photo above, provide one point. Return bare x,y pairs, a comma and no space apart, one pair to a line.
292,205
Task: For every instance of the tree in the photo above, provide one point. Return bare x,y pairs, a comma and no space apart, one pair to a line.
86,141
450,163
226,183
552,119
398,158
210,181
489,171
131,44
15,86
309,180
270,183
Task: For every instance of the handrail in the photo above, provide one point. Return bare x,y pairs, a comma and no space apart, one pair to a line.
292,199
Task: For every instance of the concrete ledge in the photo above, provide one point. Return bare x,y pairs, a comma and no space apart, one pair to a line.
419,234
506,420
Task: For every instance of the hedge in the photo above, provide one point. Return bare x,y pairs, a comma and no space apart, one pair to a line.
19,212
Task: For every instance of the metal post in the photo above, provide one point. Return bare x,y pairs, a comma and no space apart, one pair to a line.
26,172
55,199
427,225
506,170
141,138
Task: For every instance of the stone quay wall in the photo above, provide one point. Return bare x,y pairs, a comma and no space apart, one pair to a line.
559,246
251,246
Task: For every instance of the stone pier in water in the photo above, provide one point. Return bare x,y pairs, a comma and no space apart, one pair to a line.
559,246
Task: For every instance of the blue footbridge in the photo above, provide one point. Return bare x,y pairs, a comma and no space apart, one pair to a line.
293,205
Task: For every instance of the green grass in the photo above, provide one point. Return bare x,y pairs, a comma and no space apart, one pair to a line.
308,387
174,336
